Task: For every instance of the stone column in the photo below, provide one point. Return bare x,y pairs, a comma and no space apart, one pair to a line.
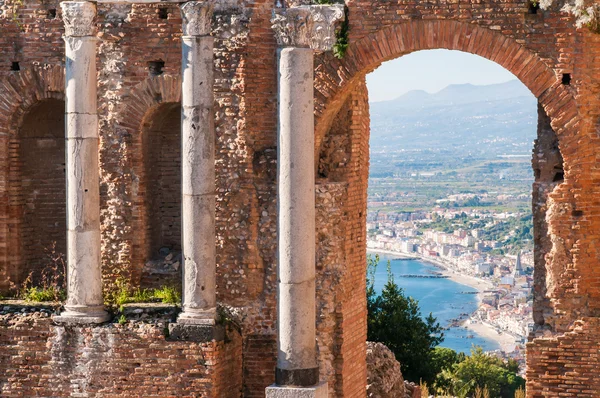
84,273
299,31
198,166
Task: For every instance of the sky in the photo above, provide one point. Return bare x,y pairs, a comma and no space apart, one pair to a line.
432,70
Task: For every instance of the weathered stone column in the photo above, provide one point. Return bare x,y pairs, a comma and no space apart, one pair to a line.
198,166
84,273
299,31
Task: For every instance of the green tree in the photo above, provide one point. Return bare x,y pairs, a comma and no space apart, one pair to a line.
395,320
480,370
443,358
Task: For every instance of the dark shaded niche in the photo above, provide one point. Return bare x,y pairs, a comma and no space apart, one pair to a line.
38,173
162,168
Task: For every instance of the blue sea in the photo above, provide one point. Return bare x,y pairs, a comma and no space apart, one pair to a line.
444,298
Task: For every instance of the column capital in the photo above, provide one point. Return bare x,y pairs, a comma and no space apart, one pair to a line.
79,17
307,26
196,18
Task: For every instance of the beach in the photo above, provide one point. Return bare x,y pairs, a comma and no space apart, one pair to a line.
506,341
467,280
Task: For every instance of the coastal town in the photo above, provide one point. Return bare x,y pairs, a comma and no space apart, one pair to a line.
490,251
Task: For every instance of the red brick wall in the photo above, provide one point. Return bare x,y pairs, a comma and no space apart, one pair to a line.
565,365
161,139
37,180
31,171
537,48
354,326
134,360
259,360
343,166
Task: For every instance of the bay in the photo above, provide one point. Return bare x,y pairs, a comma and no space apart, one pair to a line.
442,297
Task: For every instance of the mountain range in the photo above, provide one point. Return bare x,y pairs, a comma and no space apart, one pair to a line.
462,119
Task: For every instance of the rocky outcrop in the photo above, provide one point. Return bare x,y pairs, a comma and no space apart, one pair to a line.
384,379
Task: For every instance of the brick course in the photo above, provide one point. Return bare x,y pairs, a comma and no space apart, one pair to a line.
134,360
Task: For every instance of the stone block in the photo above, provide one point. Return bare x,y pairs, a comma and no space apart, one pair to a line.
196,333
318,391
82,317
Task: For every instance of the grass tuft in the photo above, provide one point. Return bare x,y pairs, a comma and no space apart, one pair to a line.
41,294
165,294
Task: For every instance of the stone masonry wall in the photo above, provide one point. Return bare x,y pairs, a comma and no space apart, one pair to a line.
134,360
565,365
548,171
162,166
134,39
341,248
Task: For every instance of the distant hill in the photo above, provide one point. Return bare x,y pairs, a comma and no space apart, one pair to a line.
464,119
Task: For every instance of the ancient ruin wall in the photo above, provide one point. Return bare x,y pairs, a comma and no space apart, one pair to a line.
37,186
136,359
538,48
343,166
548,172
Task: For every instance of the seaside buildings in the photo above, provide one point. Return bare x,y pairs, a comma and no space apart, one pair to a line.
506,305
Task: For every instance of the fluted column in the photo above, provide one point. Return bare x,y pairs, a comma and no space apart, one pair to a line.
198,166
84,273
299,31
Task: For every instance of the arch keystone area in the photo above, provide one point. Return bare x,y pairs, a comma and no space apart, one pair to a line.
334,78
20,91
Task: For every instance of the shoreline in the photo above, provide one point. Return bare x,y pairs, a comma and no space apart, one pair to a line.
506,341
466,280
400,256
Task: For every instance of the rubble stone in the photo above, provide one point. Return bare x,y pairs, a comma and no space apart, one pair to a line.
384,378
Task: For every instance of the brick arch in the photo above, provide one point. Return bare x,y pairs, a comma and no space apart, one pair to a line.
334,79
337,82
20,92
144,102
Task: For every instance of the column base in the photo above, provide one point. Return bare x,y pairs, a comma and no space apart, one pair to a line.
319,391
198,317
196,333
297,377
83,315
